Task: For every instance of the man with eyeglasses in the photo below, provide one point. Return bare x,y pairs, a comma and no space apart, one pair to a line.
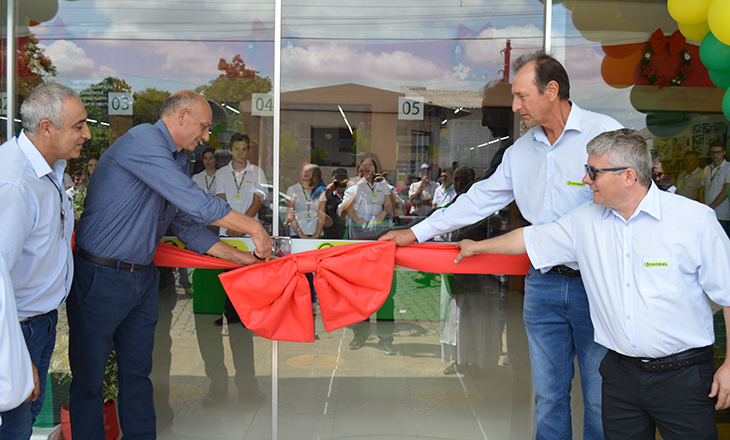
649,261
542,173
37,223
717,182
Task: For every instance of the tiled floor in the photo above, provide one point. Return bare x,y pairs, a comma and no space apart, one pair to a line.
327,391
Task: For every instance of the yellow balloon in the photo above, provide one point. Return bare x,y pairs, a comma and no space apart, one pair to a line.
718,17
694,32
690,11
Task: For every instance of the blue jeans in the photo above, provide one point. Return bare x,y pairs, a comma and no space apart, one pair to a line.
108,306
558,324
40,337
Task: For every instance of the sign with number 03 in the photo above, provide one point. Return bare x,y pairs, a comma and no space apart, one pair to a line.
410,108
120,103
262,104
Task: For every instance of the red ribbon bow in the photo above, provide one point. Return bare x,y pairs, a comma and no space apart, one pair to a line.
658,41
273,300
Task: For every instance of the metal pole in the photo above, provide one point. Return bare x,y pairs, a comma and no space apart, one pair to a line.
275,220
547,25
10,73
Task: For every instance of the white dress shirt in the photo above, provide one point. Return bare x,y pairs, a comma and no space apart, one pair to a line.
442,196
306,207
429,192
16,372
544,179
369,200
240,187
715,180
205,182
35,237
646,278
688,185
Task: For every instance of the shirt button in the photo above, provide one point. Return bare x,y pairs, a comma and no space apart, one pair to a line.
628,317
628,255
628,284
633,345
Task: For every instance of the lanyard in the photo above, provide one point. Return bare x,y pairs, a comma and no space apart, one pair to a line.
207,185
238,185
63,212
715,175
308,199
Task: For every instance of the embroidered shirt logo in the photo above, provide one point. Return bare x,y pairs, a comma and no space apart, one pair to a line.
656,264
577,184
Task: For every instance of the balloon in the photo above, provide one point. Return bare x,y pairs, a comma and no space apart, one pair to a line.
720,79
619,73
38,10
666,124
325,154
689,11
718,18
694,32
726,105
714,54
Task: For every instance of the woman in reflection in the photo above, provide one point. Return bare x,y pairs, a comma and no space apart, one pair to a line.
89,169
369,202
206,178
302,208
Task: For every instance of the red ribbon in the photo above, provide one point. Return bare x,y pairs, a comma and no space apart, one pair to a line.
352,282
676,42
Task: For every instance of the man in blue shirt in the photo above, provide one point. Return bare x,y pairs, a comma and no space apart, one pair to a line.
650,259
140,188
542,173
37,223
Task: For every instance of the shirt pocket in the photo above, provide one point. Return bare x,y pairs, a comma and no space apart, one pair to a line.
658,277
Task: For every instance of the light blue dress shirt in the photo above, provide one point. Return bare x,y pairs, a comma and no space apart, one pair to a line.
35,239
544,179
140,187
646,278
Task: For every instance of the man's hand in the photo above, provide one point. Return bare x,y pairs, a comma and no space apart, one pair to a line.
467,249
36,386
721,386
401,238
264,245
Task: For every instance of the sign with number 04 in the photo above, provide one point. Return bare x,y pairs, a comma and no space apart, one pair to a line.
262,104
120,103
410,108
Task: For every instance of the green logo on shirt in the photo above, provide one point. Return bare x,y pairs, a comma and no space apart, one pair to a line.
578,184
656,264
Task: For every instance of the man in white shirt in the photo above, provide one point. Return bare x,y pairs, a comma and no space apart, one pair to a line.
649,261
691,179
422,192
542,173
445,192
37,221
717,182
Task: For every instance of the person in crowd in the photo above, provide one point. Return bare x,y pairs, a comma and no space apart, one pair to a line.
717,183
18,377
330,202
79,182
303,204
662,180
367,202
654,374
691,179
206,178
89,169
239,184
445,191
422,192
542,172
114,298
37,225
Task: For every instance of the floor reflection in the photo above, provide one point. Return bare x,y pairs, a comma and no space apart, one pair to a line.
215,382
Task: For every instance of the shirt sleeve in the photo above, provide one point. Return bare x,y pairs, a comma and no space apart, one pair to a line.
714,255
17,219
551,244
483,199
219,185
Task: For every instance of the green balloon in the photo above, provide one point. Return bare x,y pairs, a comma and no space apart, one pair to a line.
715,54
720,79
726,105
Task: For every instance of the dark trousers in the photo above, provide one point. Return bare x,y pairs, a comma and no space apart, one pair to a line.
108,306
636,402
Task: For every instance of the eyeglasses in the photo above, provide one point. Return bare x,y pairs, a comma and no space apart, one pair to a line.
717,152
592,171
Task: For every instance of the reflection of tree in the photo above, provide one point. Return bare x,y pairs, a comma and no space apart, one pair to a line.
235,83
96,100
147,104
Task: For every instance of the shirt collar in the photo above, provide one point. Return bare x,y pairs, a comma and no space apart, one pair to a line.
165,132
36,159
650,204
573,123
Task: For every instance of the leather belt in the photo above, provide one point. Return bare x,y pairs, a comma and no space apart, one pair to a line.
108,262
34,317
565,271
675,362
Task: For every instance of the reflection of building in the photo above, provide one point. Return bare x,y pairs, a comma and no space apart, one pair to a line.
333,124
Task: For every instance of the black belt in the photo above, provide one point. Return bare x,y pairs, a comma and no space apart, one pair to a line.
675,362
108,262
565,271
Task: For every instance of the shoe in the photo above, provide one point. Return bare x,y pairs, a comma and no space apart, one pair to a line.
357,342
388,348
451,369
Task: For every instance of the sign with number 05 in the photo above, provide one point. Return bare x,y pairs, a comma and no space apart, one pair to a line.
262,104
120,103
410,108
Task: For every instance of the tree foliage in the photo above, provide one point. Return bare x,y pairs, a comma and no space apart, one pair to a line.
235,83
96,101
147,104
